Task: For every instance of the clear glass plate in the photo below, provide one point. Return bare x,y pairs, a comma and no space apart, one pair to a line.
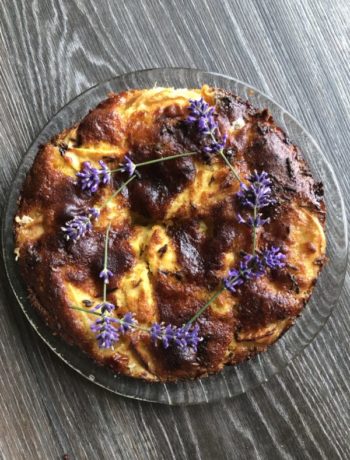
233,380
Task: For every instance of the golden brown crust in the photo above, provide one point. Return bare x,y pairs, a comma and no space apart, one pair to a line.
174,231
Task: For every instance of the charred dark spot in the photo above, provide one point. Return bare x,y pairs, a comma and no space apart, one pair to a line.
179,275
263,129
290,169
319,189
286,140
87,303
211,180
231,106
161,251
101,124
295,286
201,254
62,148
138,283
33,255
259,307
160,183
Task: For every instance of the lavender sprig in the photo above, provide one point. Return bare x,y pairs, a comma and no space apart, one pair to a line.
104,327
253,222
184,337
109,329
249,268
254,266
104,307
258,193
105,274
106,333
273,258
128,166
90,178
256,196
201,115
216,145
78,226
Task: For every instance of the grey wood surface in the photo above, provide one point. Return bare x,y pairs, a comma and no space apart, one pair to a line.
296,51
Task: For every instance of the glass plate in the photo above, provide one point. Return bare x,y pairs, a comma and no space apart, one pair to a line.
233,380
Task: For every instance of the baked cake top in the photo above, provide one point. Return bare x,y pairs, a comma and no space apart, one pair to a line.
174,231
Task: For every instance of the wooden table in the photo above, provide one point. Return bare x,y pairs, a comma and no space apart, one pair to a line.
296,51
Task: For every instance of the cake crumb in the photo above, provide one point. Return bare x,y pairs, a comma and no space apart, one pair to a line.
16,252
24,220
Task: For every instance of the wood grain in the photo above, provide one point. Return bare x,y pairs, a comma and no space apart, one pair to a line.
297,51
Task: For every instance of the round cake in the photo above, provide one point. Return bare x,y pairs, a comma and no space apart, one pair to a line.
170,233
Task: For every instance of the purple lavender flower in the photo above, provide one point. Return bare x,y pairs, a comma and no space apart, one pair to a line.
105,274
207,124
107,334
250,267
126,323
256,196
155,332
168,335
215,145
258,193
180,337
104,307
202,115
75,228
94,213
255,265
78,226
185,337
128,166
105,173
233,280
273,258
90,178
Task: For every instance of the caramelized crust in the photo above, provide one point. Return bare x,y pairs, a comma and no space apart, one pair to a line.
174,231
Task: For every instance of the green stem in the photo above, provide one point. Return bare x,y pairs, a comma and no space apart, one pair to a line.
105,261
159,160
86,311
118,191
111,171
89,312
205,306
229,165
171,157
221,151
104,292
254,229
